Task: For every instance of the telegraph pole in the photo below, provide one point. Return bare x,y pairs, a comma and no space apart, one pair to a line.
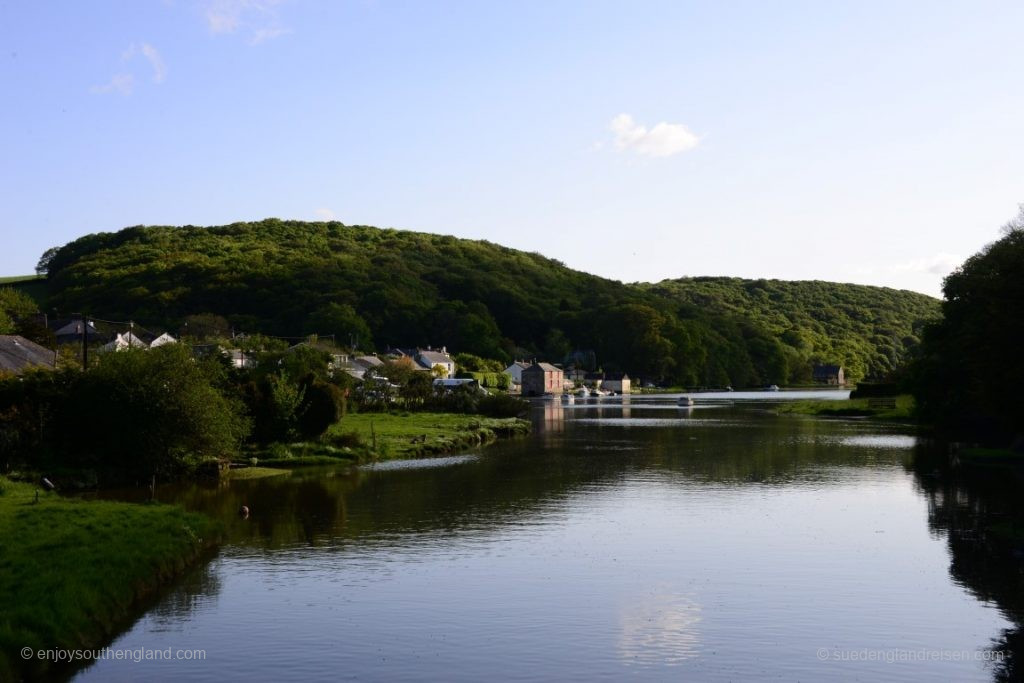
85,342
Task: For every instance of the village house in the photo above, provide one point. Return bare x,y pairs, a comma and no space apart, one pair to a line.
617,382
124,341
515,373
18,354
542,378
431,359
829,374
162,340
71,332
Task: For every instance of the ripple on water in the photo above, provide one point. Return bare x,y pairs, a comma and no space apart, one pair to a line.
422,463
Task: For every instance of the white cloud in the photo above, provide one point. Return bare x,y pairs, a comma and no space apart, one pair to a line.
124,82
325,214
119,83
159,68
663,140
939,264
257,17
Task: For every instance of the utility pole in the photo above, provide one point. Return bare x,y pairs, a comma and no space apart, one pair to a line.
85,342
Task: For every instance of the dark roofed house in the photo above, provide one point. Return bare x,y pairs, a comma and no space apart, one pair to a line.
70,332
18,354
542,378
829,374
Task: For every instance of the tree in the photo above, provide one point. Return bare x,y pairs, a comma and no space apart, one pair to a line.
344,324
154,412
967,375
319,409
43,266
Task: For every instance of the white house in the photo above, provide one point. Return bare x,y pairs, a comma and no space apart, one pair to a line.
161,340
123,341
515,371
431,359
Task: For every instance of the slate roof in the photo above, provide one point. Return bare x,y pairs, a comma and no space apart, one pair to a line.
18,354
542,367
434,357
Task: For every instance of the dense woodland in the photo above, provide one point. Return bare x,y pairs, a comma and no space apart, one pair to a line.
969,371
374,288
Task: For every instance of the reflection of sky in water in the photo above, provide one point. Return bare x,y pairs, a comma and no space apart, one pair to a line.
653,422
880,441
422,463
659,629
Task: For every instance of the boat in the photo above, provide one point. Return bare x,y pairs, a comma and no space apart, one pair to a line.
773,387
685,401
582,391
568,398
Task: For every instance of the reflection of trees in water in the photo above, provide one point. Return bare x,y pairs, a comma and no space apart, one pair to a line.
981,511
196,587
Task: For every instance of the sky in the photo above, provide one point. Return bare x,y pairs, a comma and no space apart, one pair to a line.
872,142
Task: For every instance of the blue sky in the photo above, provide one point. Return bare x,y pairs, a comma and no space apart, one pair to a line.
866,142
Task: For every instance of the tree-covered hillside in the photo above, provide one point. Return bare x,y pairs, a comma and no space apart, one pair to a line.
379,287
867,329
969,371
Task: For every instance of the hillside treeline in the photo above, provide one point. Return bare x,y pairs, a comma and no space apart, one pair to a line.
968,375
374,288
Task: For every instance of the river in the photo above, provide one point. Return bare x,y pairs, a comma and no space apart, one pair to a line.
625,539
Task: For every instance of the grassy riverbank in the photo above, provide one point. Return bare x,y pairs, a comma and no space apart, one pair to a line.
857,407
413,435
72,570
381,436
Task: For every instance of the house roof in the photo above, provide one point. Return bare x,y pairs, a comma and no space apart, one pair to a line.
434,357
163,339
74,327
453,382
542,367
827,369
616,376
519,364
368,361
18,353
124,341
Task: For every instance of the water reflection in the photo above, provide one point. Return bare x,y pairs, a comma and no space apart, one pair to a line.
659,628
979,509
624,539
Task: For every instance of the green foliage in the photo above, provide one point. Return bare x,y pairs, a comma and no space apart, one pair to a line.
502,405
135,414
320,408
969,372
14,307
868,330
414,289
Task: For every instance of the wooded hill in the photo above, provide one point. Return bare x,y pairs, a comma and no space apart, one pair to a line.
379,287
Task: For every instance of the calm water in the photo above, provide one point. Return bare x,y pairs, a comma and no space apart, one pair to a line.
635,541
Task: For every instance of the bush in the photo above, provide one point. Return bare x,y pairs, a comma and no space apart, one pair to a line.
135,414
502,405
320,408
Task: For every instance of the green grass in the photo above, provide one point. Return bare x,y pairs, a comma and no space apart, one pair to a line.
255,473
12,279
858,407
71,571
411,435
